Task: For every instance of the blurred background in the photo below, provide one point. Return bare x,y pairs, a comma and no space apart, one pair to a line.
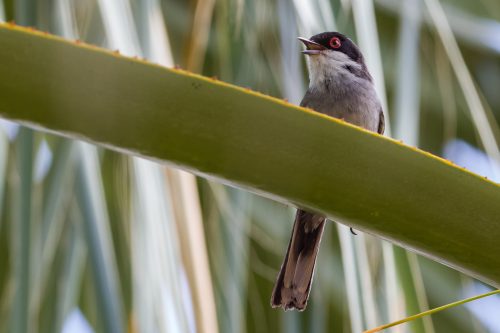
95,241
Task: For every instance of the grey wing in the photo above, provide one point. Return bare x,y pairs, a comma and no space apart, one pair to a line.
381,122
306,100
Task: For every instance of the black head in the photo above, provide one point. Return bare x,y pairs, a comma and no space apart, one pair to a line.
333,41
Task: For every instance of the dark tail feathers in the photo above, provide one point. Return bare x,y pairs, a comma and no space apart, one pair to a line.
294,280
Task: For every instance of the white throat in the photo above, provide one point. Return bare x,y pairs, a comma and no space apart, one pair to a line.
331,66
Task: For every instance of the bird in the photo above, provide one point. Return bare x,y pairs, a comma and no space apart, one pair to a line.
340,86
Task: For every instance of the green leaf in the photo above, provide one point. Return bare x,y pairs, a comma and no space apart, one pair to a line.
90,195
256,142
432,311
20,314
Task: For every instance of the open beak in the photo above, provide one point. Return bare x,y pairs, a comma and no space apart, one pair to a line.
311,47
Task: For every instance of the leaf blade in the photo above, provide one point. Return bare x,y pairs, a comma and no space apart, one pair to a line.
254,141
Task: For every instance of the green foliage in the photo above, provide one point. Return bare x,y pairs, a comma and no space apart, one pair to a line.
106,232
257,142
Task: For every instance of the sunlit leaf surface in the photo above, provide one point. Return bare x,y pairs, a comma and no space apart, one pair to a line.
255,142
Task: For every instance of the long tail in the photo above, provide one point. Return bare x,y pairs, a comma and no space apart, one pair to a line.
294,280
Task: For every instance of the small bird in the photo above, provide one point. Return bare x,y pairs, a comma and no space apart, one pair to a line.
339,86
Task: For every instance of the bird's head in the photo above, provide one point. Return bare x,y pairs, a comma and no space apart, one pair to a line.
332,52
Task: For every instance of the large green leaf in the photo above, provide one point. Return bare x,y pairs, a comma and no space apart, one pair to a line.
256,142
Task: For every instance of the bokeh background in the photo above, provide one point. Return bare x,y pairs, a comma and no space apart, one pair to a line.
95,241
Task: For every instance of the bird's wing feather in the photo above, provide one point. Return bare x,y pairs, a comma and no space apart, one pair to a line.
307,99
381,122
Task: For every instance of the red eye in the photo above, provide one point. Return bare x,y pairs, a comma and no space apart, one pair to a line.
335,43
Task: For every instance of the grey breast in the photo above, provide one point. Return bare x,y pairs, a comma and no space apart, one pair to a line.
351,99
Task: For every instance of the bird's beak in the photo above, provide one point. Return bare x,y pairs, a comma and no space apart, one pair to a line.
312,47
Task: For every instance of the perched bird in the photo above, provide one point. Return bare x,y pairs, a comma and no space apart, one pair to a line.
339,86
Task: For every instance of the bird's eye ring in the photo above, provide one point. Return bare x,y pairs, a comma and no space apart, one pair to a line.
335,42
